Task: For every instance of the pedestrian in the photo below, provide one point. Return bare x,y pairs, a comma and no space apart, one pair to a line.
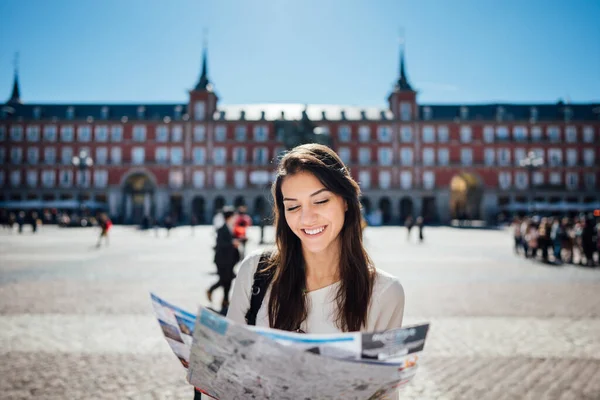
168,224
420,224
408,223
242,222
193,223
105,225
226,256
21,220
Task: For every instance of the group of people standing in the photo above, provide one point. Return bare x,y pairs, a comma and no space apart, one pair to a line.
558,240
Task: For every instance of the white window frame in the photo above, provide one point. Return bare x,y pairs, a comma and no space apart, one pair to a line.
101,133
16,133
406,134
33,155
241,133
66,155
536,133
521,180
33,133
590,180
555,157
220,133
589,157
176,155
504,180
138,133
239,155
385,180
443,134
443,156
100,178
519,154
345,155
588,134
176,179
555,178
407,156
553,133
489,156
67,133
502,133
466,156
16,155
503,157
489,134
161,155
364,134
199,155
239,179
199,133
116,155
261,133
177,133
538,178
428,134
385,156
219,156
219,179
364,179
49,155
344,133
84,133
406,180
101,155
32,178
571,134
428,180
428,156
199,111
48,178
384,133
116,133
364,155
15,178
65,173
572,157
520,133
258,159
162,133
405,111
572,180
138,155
466,134
199,179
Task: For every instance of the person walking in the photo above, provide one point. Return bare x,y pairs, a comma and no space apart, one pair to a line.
408,223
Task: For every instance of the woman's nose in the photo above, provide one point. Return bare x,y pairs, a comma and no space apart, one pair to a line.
309,216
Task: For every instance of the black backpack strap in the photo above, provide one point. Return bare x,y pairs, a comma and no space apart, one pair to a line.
262,279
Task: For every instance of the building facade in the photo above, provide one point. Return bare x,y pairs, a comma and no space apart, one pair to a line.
189,159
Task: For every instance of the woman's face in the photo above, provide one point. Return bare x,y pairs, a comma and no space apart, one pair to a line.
312,212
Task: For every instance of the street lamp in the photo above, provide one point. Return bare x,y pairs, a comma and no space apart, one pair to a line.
532,162
83,161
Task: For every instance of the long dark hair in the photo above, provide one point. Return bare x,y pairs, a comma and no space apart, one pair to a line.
287,303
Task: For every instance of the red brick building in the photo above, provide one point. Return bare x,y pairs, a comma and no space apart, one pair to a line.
440,161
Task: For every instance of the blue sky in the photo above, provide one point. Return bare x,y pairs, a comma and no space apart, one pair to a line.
310,51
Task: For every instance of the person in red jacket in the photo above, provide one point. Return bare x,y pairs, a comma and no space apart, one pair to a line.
242,222
105,225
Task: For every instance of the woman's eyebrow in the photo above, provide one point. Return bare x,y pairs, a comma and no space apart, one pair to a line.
312,195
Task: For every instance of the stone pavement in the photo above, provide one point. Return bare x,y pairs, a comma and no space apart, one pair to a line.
77,321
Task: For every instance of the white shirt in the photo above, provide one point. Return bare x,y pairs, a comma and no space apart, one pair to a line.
385,310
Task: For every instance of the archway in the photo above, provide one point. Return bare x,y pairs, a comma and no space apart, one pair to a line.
366,205
198,208
218,204
406,209
239,201
138,199
465,196
385,205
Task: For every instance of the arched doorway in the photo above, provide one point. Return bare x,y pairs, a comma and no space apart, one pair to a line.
198,209
138,199
465,196
406,209
366,205
385,205
239,201
261,208
218,204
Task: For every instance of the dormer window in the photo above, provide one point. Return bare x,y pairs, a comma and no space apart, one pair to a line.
427,113
405,111
568,114
141,112
177,112
464,113
500,111
37,113
104,113
533,114
70,113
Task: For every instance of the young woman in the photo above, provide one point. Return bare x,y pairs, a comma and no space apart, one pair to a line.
322,280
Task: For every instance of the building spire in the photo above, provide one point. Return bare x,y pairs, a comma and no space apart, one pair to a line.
402,83
15,97
204,82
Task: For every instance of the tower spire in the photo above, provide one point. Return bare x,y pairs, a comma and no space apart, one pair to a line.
204,82
15,97
402,83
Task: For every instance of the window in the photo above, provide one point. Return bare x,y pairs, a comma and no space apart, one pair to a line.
536,133
161,155
261,156
405,179
33,154
489,156
571,134
553,133
555,178
239,156
101,133
504,180
504,157
104,113
15,178
199,111
162,133
84,133
177,112
16,133
364,155
533,114
239,179
48,178
139,133
521,180
428,156
50,155
141,112
137,155
406,135
33,133
65,178
66,155
116,133
538,178
465,134
261,133
571,157
443,134
220,133
198,179
115,155
240,133
384,134
219,179
344,153
100,178
219,156
177,133
406,156
66,133
405,111
199,133
16,155
443,156
588,134
32,178
364,134
488,134
428,180
502,133
176,155
590,181
572,180
70,113
385,179
101,155
176,179
520,154
555,157
384,156
428,134
364,179
520,133
199,156
427,114
344,133
589,157
466,157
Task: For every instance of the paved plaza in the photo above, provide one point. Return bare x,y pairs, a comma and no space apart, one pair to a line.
77,322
